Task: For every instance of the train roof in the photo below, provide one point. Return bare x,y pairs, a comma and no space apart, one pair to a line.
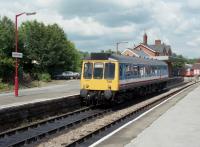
125,59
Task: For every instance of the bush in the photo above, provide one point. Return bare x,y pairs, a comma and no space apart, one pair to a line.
3,86
27,78
45,77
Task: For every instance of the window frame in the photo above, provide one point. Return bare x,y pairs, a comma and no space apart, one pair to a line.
91,77
102,71
108,68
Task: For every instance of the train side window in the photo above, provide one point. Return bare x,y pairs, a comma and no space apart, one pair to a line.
87,70
135,71
121,71
98,71
142,71
128,72
156,70
153,70
148,71
109,71
138,69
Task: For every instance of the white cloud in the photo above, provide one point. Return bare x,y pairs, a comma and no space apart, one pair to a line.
129,3
167,14
175,23
91,27
47,3
194,42
194,4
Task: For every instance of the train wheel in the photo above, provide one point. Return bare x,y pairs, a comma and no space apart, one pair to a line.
87,100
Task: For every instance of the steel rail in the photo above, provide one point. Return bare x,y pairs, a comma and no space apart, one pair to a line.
38,130
130,115
34,132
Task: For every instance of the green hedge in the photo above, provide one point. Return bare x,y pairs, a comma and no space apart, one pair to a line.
45,77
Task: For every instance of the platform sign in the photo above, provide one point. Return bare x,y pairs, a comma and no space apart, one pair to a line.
17,55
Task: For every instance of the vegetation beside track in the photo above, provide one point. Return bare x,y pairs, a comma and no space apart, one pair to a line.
46,51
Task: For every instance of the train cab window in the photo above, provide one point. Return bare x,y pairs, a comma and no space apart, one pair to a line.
98,71
109,72
87,71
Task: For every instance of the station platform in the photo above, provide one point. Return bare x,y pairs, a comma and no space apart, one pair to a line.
38,94
176,123
32,95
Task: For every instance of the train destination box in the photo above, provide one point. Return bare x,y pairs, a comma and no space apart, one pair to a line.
17,55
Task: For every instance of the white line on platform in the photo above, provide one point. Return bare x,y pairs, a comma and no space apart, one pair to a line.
128,123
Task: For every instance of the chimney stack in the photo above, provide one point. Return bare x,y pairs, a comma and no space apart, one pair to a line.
145,39
157,42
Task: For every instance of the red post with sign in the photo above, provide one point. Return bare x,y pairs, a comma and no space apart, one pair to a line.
16,50
16,60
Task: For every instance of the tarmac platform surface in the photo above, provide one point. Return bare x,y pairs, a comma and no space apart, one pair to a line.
71,87
173,124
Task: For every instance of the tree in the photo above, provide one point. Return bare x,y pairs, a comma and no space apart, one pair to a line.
47,46
109,51
192,61
179,61
84,54
7,35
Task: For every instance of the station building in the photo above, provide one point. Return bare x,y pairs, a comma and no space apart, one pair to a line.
159,51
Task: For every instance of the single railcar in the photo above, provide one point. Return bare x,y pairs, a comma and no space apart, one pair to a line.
105,76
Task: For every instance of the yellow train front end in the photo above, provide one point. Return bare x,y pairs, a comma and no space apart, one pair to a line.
99,80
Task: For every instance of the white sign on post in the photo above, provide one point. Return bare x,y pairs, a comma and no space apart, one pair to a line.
17,55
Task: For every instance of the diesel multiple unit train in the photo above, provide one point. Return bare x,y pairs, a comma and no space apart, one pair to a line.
107,76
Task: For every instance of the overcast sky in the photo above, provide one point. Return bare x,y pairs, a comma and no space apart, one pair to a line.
94,25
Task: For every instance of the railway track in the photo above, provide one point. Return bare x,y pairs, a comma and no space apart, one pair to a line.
34,132
95,130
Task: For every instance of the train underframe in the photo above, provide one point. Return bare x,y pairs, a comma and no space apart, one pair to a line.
96,97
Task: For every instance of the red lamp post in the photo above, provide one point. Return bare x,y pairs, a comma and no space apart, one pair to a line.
16,50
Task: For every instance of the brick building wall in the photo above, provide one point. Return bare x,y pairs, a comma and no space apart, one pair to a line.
146,50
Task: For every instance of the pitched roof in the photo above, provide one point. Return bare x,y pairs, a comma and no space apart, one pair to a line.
160,48
141,53
146,46
129,50
137,53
